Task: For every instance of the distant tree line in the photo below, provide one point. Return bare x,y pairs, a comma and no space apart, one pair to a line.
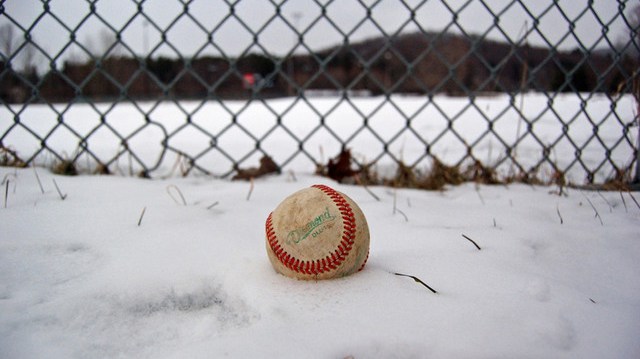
416,63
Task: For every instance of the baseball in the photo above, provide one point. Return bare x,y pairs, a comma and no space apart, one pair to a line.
317,233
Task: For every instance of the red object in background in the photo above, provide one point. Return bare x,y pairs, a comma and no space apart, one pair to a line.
249,80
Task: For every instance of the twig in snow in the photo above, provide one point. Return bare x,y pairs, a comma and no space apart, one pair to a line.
251,185
366,188
592,301
494,223
406,219
6,181
62,196
479,195
371,193
37,178
130,164
395,208
395,198
417,280
472,241
608,203
213,205
141,215
293,176
321,153
633,198
169,187
624,202
594,209
559,215
6,192
6,177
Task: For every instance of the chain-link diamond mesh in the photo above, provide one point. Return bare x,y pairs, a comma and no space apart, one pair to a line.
212,86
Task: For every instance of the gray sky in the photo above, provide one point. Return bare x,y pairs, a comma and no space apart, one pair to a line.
347,17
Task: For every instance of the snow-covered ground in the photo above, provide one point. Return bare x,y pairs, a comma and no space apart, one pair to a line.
117,266
217,134
79,278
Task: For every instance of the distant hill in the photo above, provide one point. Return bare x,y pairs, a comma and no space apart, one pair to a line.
421,63
433,63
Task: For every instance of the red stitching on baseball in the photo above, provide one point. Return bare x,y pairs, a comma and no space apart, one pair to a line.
330,262
365,262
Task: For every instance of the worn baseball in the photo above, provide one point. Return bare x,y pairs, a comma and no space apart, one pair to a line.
317,233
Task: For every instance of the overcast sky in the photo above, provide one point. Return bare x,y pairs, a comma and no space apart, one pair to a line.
343,17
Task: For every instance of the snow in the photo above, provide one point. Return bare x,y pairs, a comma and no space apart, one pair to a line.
79,278
578,129
121,267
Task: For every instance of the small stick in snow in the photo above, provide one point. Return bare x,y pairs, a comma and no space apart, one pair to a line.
479,195
321,154
6,177
6,192
472,241
37,178
395,197
251,185
633,198
594,209
293,176
406,219
141,215
6,181
213,205
62,196
494,223
366,188
371,193
417,280
169,187
624,203
558,211
608,203
592,301
130,164
395,208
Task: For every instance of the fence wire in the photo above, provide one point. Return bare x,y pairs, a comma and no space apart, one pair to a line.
58,60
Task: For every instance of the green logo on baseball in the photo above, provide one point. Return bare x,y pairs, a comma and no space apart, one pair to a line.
313,228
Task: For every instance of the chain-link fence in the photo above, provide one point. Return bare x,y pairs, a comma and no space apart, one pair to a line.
213,86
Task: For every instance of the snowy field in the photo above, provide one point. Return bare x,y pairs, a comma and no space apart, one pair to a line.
216,134
79,278
122,267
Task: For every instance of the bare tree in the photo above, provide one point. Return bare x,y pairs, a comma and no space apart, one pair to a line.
103,44
634,22
90,49
29,55
634,18
110,43
7,39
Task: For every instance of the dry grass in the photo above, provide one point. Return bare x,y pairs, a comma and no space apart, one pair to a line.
10,158
267,166
435,178
65,168
479,173
619,181
440,175
102,169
